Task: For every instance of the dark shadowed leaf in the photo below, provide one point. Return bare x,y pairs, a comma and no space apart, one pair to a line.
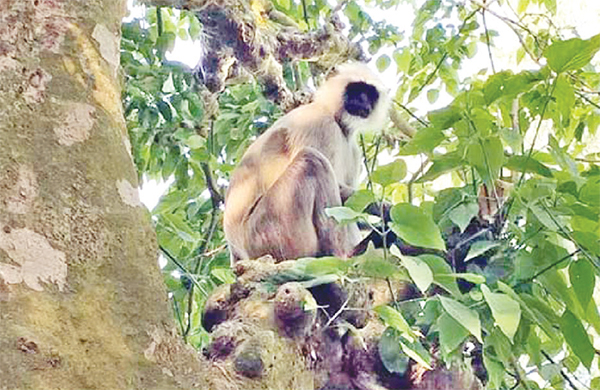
391,353
577,338
583,279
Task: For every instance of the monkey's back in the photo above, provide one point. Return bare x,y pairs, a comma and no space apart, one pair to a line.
268,158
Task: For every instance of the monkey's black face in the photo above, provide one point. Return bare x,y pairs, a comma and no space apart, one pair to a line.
360,99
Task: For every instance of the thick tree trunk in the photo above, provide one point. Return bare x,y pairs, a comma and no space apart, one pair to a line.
82,302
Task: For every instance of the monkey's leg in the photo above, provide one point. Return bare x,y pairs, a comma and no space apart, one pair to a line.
289,221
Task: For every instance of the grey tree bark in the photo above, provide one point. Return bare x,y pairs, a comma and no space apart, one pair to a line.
82,301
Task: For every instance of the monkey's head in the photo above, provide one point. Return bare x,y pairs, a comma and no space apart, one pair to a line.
357,98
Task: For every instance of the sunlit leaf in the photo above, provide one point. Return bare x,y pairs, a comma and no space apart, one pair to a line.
390,173
383,62
572,54
342,214
462,214
419,271
529,165
359,200
479,248
506,311
417,352
416,227
393,318
468,318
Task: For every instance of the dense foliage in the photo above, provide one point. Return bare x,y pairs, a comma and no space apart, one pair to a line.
515,233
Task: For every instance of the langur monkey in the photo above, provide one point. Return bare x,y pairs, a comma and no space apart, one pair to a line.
306,162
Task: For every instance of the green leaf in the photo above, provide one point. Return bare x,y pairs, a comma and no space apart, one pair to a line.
393,318
373,265
452,334
572,54
342,214
468,318
402,59
506,311
195,141
225,275
469,277
432,95
441,164
487,157
583,280
390,173
462,214
417,352
418,270
322,266
528,165
444,118
359,200
577,338
424,141
479,248
442,273
416,227
391,353
383,62
495,371
565,96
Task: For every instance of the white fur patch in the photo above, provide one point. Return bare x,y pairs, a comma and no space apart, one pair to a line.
331,93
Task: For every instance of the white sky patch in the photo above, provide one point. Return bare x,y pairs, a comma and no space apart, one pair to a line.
152,190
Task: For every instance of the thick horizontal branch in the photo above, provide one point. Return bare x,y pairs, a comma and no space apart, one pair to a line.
239,39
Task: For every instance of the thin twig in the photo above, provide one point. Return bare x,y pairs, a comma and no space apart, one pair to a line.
409,112
487,39
305,13
159,22
366,162
568,235
337,313
549,267
581,95
508,205
565,376
216,200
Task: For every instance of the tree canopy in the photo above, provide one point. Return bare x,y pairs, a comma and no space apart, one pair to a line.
501,183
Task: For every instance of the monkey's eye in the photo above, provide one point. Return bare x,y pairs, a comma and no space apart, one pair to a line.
360,98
